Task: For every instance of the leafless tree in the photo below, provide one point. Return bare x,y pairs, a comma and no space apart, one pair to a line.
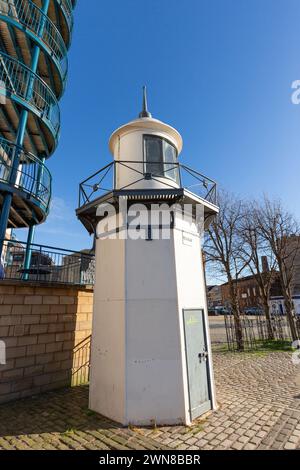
254,250
279,229
222,250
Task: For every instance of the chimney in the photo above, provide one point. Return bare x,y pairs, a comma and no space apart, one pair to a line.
265,264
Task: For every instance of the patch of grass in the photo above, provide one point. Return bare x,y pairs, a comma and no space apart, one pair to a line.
257,353
135,429
154,425
263,348
199,425
197,428
219,348
89,412
276,345
68,432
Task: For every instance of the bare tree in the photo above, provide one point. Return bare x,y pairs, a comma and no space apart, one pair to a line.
254,250
222,249
280,231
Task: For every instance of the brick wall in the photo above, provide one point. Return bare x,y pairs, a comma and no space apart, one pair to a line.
43,328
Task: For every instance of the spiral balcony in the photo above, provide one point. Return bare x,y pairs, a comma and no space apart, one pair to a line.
25,15
34,39
31,188
16,79
61,13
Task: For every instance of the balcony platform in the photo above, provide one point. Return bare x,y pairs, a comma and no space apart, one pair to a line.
32,189
87,213
26,210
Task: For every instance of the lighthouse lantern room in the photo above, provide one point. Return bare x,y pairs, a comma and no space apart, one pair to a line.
151,356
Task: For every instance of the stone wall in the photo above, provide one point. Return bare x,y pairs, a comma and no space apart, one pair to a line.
46,330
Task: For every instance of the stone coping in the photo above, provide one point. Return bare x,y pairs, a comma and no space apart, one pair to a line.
11,282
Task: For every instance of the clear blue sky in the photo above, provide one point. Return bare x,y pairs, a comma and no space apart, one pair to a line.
220,71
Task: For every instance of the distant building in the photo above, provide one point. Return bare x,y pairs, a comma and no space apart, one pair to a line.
78,269
214,296
247,292
276,298
41,264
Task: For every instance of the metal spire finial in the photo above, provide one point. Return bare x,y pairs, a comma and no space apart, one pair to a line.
145,113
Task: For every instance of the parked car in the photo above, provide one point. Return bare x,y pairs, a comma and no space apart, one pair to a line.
221,310
212,311
253,311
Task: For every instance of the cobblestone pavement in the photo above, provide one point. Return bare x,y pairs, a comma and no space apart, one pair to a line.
259,408
61,420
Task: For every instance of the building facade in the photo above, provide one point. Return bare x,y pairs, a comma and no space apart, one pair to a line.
214,296
293,264
248,293
34,39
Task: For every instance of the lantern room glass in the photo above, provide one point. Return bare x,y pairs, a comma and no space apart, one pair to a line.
160,158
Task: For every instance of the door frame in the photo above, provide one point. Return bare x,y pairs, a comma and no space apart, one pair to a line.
208,369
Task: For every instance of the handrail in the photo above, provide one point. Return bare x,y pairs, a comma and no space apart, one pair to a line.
30,15
52,248
33,177
104,180
47,264
67,9
16,78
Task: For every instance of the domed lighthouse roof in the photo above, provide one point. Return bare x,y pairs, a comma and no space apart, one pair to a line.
146,124
145,167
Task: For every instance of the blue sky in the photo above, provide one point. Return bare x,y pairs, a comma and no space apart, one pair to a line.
220,71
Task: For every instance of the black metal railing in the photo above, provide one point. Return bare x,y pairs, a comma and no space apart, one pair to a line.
169,175
46,264
256,330
81,362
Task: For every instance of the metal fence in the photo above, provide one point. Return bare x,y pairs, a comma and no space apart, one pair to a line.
248,332
169,175
47,264
255,330
81,362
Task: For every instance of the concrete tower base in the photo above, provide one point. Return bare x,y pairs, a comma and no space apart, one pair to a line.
140,359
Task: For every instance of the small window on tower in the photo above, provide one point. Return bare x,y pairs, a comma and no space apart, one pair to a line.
154,156
170,159
160,157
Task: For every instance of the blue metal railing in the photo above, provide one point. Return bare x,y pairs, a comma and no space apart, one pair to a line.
33,177
16,79
28,14
67,9
47,264
36,31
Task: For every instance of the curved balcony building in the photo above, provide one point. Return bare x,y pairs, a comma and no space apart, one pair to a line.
34,39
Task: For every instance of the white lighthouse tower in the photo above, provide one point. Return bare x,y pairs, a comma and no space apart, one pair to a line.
151,356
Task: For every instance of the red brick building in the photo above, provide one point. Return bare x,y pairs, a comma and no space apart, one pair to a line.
248,292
